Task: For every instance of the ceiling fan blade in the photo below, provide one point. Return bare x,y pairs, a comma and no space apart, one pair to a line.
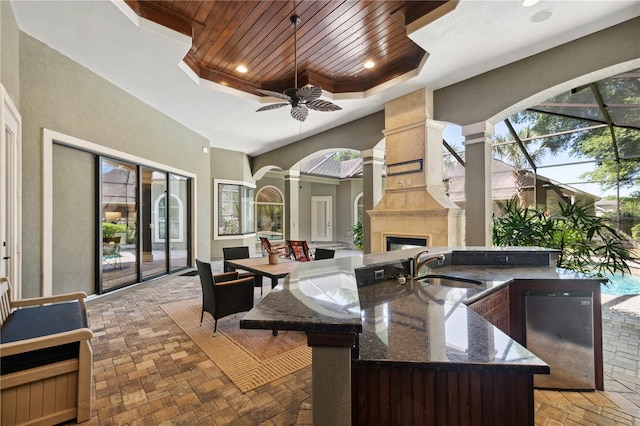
274,94
309,93
299,112
320,105
272,106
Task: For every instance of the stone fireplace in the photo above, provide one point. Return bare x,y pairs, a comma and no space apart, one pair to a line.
414,204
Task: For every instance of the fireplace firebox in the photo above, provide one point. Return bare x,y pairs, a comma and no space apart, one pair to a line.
400,243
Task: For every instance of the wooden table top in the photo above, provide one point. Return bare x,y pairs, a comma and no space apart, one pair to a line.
260,265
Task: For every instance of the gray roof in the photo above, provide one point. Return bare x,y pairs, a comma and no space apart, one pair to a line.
502,182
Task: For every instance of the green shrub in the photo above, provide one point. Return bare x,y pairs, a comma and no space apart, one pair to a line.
111,229
587,243
356,233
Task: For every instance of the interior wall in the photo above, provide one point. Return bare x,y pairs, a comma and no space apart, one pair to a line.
9,52
345,197
74,218
232,165
329,189
58,94
343,194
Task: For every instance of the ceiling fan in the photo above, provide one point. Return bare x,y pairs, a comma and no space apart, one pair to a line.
301,99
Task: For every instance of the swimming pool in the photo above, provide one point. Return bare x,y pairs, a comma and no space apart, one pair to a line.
622,285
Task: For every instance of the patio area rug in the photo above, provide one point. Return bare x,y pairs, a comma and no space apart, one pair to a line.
249,358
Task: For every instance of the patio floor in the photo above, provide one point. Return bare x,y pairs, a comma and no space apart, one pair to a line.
148,371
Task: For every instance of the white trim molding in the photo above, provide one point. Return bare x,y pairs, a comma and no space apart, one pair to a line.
11,158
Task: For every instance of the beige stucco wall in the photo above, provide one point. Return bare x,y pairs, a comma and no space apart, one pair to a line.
9,52
74,221
345,197
360,135
496,94
58,94
229,165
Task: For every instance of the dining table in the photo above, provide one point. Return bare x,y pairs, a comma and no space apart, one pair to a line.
261,266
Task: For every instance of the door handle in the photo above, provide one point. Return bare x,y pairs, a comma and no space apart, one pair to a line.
6,258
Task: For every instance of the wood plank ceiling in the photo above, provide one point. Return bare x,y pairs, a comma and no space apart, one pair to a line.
335,38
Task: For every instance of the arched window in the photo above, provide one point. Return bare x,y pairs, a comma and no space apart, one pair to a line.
358,208
176,218
270,213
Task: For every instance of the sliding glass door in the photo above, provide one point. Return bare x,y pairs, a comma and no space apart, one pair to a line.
154,253
178,221
119,259
145,221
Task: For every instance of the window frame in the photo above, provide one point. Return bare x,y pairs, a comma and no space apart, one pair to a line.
250,210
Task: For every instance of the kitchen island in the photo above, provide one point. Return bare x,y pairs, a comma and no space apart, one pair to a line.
411,353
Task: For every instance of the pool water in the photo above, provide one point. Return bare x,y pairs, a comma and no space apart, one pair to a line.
621,285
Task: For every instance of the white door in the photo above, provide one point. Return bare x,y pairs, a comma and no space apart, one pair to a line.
321,227
10,220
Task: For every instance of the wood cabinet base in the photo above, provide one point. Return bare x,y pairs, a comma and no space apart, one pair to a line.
403,395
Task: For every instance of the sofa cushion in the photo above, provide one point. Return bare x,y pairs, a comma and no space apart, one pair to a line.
40,321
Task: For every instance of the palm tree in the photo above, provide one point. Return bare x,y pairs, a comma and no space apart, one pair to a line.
510,152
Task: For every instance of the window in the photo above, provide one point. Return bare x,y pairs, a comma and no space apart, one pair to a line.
176,218
270,213
235,208
358,208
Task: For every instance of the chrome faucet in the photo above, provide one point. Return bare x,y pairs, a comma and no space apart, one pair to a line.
417,265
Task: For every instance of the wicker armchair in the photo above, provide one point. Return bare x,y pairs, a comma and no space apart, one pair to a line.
223,294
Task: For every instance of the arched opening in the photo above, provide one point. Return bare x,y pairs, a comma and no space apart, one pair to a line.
270,213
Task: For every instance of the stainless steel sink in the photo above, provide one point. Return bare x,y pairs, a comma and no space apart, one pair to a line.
449,281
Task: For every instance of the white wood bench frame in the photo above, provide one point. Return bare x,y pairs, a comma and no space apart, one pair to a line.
49,394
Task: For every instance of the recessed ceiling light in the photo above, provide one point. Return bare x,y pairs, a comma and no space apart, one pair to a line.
543,15
369,64
241,68
529,3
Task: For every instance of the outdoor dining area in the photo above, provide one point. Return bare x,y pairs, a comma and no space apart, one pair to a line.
277,260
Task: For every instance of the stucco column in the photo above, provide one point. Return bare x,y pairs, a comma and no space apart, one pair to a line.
372,162
477,183
291,201
331,377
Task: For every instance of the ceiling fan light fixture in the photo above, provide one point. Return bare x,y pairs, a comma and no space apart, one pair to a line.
301,99
541,16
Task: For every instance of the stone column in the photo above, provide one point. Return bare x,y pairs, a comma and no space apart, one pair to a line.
331,377
291,202
372,162
477,183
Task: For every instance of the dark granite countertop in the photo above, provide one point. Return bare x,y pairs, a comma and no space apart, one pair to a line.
319,296
431,327
412,323
492,278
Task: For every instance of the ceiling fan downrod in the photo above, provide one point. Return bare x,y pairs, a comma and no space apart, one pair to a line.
295,20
